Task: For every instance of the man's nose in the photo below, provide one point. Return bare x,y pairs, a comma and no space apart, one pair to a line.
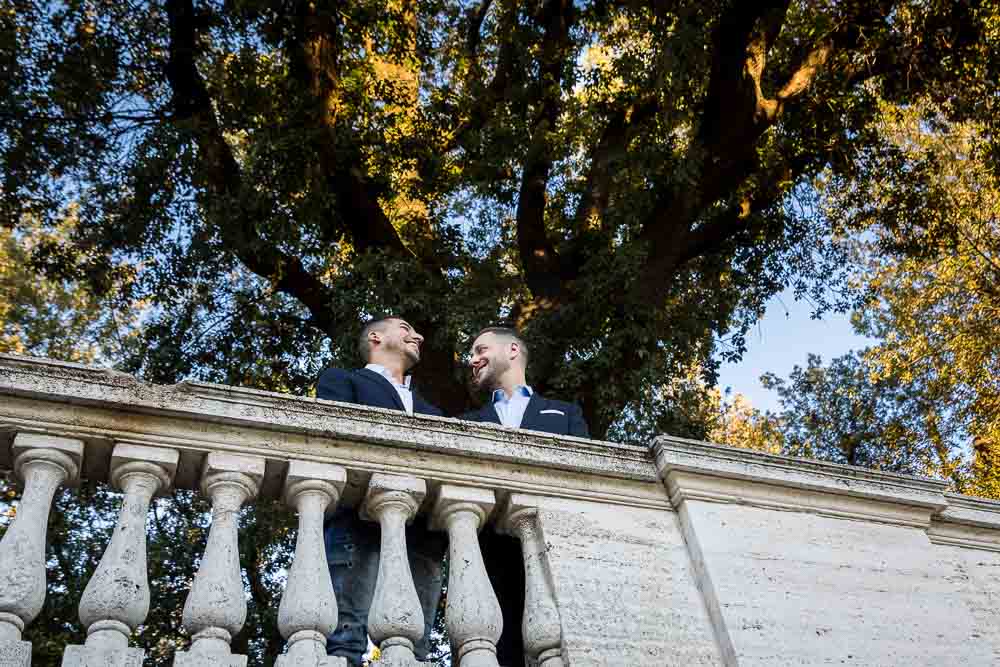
420,339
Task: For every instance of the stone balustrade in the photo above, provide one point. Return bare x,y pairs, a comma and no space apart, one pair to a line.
681,553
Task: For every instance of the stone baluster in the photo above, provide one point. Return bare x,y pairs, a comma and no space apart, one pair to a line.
116,599
472,613
44,462
308,610
395,620
216,607
541,625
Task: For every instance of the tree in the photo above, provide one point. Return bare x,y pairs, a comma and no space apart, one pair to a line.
740,424
925,398
612,177
933,280
841,413
622,180
57,319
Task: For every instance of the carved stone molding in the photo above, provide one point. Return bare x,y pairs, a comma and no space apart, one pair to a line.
472,613
216,607
541,625
307,614
693,470
967,522
44,463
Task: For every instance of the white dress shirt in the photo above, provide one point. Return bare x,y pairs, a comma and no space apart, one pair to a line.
511,410
403,390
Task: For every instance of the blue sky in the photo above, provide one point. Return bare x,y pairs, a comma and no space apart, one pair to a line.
782,339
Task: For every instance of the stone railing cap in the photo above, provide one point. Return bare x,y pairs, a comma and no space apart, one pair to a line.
85,385
970,511
723,461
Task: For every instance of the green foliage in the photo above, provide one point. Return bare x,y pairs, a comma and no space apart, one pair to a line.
54,318
623,181
842,413
738,423
224,190
924,399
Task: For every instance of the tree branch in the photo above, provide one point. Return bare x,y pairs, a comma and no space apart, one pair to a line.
476,18
612,145
505,75
314,52
733,105
539,259
192,106
736,114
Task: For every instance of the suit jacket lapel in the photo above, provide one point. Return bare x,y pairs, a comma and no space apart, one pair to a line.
535,405
384,384
489,413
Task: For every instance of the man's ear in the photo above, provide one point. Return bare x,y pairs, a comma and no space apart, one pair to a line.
515,351
374,338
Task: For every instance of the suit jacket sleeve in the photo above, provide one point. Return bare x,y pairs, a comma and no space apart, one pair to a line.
422,407
335,385
577,424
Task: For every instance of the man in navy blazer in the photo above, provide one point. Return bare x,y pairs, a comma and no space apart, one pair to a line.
367,387
499,365
391,347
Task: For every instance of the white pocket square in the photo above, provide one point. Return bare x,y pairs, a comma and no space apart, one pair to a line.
551,412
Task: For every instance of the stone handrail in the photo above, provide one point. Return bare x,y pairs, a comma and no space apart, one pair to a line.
681,553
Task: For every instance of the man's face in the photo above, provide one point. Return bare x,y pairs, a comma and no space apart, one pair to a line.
399,336
489,361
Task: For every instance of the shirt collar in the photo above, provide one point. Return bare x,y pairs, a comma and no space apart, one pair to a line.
499,395
381,370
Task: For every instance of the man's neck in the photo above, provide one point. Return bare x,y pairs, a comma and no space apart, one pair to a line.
510,382
394,366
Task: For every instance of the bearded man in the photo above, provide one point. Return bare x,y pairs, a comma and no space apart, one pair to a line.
390,346
499,363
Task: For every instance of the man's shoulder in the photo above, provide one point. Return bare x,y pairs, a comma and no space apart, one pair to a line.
335,374
337,384
334,371
424,407
556,404
473,415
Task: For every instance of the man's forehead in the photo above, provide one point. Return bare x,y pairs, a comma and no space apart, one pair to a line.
389,323
484,338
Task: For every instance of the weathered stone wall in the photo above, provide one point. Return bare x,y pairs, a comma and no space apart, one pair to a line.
803,589
687,553
810,564
626,591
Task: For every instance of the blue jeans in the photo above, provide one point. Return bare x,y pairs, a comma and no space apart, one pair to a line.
352,553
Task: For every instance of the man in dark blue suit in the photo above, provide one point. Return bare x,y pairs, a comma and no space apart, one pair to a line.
391,347
499,365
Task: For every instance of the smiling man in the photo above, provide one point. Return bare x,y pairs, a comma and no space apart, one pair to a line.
499,364
390,346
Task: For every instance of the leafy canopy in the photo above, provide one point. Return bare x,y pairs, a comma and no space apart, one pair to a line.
929,264
625,181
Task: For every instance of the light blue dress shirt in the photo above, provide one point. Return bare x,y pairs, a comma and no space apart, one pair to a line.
511,410
405,394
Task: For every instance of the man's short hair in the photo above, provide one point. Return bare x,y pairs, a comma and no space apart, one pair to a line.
510,333
377,323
